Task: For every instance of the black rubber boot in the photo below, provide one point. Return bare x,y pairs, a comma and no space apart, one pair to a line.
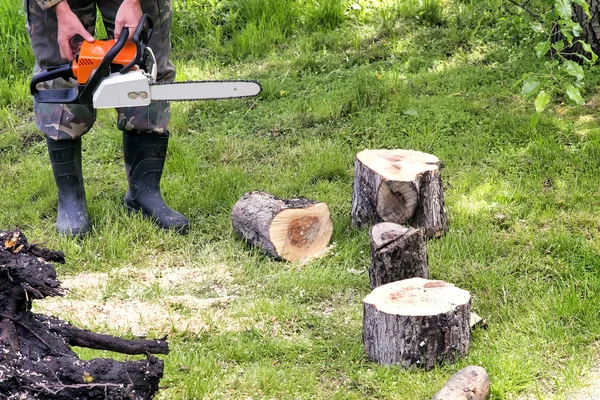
65,157
144,156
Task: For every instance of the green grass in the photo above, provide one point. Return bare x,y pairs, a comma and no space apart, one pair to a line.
439,77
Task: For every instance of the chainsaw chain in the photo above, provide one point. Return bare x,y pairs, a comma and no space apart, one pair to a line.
208,81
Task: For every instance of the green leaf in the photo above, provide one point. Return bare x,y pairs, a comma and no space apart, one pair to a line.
537,27
542,48
530,86
534,119
570,28
574,94
563,8
585,6
588,48
541,101
558,46
573,69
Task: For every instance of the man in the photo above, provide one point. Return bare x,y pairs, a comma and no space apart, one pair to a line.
56,28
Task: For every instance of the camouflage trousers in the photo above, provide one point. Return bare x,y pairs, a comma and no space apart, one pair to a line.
71,121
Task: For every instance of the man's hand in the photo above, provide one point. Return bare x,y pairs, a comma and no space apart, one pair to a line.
128,16
68,27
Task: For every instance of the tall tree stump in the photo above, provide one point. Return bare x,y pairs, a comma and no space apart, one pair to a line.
470,383
416,323
292,229
401,186
397,253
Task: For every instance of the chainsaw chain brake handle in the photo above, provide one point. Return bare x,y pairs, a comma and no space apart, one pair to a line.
83,94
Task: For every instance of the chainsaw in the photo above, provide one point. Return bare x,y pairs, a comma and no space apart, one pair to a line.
120,73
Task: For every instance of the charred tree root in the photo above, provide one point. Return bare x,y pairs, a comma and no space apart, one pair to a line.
36,359
400,186
289,229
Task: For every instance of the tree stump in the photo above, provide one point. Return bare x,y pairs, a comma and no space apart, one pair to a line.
401,186
416,322
293,229
37,361
397,253
470,383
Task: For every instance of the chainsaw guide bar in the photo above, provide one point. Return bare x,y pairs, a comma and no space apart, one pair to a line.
210,90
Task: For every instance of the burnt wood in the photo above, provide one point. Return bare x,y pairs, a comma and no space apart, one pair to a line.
37,360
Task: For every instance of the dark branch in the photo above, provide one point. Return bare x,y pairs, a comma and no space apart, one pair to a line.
82,338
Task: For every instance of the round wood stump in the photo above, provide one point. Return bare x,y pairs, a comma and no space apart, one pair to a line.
397,253
400,186
416,323
290,229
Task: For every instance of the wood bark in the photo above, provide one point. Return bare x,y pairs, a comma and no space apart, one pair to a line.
400,186
470,383
397,253
416,323
290,229
37,360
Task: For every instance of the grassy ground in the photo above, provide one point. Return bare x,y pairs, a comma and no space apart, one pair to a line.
337,78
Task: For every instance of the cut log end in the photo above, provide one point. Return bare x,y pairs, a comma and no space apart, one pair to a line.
417,297
399,165
301,233
289,229
416,323
400,186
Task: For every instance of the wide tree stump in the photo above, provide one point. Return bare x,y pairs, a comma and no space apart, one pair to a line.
293,229
397,253
400,186
37,360
470,383
416,322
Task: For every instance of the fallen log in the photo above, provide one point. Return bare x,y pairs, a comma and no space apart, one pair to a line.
416,323
289,229
470,383
397,253
400,186
37,360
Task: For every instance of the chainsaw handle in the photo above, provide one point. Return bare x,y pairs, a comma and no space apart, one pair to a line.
103,70
141,37
65,95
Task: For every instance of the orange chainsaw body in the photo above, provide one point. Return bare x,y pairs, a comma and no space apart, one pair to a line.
91,55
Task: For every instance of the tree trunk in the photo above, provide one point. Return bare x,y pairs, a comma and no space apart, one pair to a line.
397,253
416,323
37,361
294,229
470,383
400,186
590,32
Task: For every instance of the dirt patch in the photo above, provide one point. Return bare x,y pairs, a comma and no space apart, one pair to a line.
147,301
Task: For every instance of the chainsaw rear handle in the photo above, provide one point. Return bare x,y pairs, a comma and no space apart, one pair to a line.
66,95
83,94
